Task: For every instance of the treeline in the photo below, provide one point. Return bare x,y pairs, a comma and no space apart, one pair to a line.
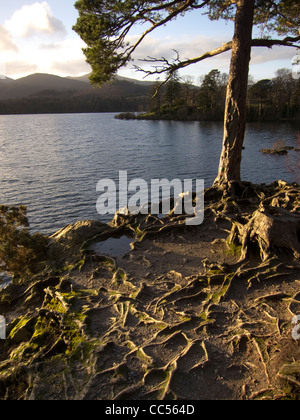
275,99
269,99
119,96
62,103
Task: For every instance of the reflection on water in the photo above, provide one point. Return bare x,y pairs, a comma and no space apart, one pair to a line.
112,247
293,160
52,163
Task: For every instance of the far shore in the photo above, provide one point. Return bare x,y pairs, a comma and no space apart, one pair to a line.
193,115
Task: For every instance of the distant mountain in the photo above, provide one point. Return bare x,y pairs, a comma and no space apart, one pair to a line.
45,93
35,83
5,81
86,79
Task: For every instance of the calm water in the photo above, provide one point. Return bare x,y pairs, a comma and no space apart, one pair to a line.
52,163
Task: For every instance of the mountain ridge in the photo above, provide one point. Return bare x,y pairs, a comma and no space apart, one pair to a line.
43,93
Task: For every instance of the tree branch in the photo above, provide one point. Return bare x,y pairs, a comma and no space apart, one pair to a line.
278,11
269,43
162,22
165,66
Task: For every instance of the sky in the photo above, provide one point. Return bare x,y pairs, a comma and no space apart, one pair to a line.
37,37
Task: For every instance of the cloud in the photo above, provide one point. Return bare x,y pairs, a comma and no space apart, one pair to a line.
35,19
70,67
20,67
196,46
66,57
267,59
264,55
33,39
38,42
187,47
164,47
50,47
6,42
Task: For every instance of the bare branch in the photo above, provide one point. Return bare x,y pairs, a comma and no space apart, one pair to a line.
163,65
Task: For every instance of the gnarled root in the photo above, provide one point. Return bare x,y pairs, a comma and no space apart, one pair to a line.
273,229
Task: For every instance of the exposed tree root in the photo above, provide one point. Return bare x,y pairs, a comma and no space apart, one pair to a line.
96,331
272,229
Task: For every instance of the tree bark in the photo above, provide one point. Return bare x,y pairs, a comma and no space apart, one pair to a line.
236,100
272,229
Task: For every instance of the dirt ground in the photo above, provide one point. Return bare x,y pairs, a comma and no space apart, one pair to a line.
197,325
177,317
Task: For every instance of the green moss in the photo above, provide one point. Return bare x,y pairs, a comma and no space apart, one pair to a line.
44,328
233,249
214,272
25,349
120,275
18,324
143,357
204,316
80,264
216,297
56,305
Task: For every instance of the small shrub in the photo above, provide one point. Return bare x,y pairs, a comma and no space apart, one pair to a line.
126,116
20,252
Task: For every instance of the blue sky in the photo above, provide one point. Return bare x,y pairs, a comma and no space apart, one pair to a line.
37,36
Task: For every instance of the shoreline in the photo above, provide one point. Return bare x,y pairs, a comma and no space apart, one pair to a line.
152,116
184,314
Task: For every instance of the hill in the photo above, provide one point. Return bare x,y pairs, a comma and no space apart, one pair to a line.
85,78
45,93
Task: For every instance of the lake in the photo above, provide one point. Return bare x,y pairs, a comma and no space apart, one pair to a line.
52,163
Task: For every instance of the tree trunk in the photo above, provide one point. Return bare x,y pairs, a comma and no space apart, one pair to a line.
260,108
272,229
236,100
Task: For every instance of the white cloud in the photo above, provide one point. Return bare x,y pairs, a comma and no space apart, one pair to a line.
65,59
164,47
196,46
187,47
20,67
70,67
33,35
6,42
33,20
264,55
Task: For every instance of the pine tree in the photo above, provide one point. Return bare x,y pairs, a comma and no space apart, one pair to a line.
105,24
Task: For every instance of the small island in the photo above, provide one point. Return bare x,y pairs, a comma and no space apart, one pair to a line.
280,148
180,99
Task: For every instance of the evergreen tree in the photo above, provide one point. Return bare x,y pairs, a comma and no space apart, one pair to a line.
261,92
172,90
212,94
105,24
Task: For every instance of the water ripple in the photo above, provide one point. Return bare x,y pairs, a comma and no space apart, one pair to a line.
52,163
